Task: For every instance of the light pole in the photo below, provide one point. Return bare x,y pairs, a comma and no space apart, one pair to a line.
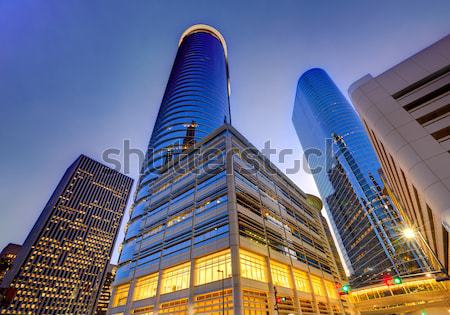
223,291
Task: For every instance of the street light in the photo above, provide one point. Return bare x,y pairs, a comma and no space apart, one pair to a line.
409,233
223,291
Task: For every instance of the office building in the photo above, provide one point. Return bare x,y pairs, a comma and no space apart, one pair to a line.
195,102
366,223
226,232
207,236
334,250
7,257
406,111
63,261
106,291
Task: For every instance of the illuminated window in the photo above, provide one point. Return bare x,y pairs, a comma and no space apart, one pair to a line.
280,274
255,303
214,303
301,281
317,286
331,289
176,278
178,307
306,306
253,266
323,308
179,218
206,268
147,310
145,287
121,294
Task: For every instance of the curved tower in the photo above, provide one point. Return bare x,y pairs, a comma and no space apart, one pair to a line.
347,174
195,102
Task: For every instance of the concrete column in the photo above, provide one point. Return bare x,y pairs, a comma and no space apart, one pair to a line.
233,230
296,297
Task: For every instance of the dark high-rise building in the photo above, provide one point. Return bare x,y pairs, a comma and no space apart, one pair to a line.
106,291
7,257
63,261
367,224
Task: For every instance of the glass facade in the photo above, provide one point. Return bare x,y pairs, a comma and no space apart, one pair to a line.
247,232
346,170
195,102
202,222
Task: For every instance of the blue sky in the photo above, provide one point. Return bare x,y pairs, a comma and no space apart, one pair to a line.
82,76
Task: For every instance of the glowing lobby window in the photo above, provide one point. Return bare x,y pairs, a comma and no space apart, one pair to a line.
280,274
206,268
176,278
301,281
178,307
317,286
214,303
121,294
331,289
255,302
252,266
146,310
145,287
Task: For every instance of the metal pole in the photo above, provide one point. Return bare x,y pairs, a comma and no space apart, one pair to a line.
223,291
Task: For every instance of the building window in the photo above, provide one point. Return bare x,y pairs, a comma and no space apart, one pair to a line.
280,274
301,281
206,268
121,294
253,266
176,278
331,289
147,310
286,305
323,308
178,307
255,303
214,303
145,287
317,286
179,218
306,306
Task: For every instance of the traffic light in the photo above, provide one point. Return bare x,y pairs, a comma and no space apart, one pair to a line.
281,299
387,279
346,288
397,280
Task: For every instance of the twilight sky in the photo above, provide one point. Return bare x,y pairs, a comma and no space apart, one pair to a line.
82,76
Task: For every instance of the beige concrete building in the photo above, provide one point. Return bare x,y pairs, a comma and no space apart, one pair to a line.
406,111
230,234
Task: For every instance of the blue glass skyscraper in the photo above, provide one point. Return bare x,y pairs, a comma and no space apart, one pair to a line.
195,102
346,171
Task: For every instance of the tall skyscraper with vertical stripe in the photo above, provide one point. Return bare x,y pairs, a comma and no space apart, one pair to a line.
62,264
